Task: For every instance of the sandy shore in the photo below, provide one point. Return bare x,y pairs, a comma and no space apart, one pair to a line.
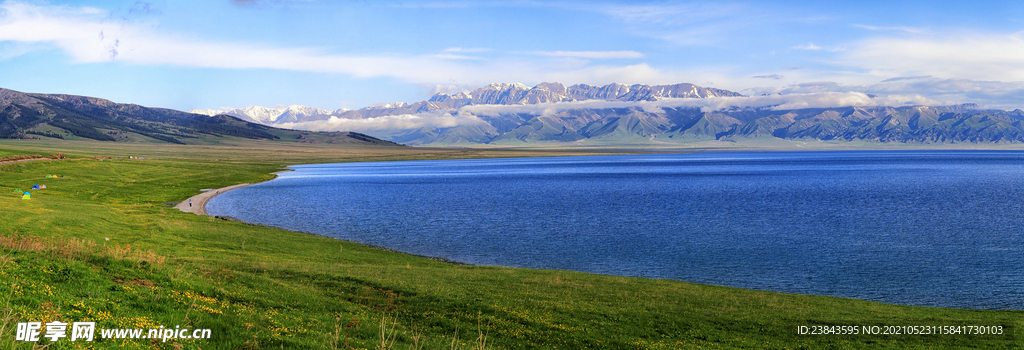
197,204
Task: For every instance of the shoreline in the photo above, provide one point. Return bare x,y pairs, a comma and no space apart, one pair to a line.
197,205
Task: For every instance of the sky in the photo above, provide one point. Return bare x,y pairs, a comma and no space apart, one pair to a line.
216,54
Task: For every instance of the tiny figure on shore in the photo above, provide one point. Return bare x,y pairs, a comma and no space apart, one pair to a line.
190,202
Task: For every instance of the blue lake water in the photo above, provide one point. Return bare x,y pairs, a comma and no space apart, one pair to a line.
930,228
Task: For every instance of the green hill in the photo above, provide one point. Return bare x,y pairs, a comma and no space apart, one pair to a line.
24,115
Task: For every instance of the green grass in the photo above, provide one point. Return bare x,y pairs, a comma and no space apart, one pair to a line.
258,287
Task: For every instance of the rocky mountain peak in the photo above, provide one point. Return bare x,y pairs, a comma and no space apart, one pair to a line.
557,88
440,97
10,96
395,105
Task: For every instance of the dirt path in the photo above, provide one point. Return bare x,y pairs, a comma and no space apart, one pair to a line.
23,160
197,204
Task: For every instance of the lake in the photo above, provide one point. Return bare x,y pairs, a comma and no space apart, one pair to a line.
928,228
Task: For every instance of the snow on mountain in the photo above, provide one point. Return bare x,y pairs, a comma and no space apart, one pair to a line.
268,115
209,112
295,113
392,105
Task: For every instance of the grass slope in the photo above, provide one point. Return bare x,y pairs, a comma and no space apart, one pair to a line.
99,245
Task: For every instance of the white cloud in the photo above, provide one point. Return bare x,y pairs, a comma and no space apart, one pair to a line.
701,24
448,56
989,94
15,49
590,54
390,122
672,14
467,49
642,73
76,30
809,46
87,37
780,102
911,30
979,56
271,3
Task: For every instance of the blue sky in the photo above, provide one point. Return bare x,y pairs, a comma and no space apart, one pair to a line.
350,54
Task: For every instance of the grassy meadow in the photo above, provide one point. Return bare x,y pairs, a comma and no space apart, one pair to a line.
101,244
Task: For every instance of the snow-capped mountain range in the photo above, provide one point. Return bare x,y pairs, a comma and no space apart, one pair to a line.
493,94
617,114
269,115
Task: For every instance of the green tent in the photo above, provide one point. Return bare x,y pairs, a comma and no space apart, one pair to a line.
49,176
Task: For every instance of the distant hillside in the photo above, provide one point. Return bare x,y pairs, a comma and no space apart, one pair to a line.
637,126
680,125
27,115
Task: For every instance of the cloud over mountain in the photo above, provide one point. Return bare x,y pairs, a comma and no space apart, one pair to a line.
641,114
386,122
991,94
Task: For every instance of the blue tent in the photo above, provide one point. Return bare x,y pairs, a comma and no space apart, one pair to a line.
35,187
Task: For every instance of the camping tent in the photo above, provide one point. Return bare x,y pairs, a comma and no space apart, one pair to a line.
26,196
35,187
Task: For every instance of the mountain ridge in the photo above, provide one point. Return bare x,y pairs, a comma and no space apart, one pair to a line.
60,116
